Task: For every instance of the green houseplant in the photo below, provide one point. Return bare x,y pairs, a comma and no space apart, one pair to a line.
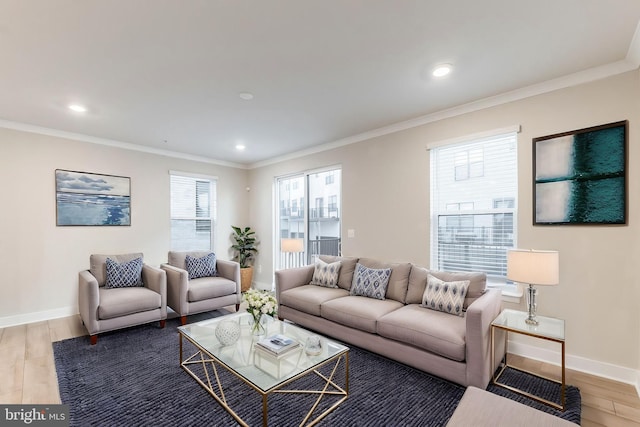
245,250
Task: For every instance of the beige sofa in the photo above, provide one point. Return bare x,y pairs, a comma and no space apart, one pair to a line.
453,347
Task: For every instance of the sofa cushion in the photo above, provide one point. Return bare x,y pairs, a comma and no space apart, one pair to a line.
370,282
358,312
431,330
447,297
309,298
98,264
123,275
210,287
399,280
347,267
325,274
117,302
200,266
418,283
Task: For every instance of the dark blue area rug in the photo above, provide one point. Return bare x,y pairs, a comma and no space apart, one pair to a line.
132,377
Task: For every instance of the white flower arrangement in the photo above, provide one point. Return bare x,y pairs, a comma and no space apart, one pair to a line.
259,303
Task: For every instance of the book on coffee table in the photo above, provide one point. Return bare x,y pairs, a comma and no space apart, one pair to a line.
277,344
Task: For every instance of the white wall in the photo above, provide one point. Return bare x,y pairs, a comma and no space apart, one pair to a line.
386,200
40,261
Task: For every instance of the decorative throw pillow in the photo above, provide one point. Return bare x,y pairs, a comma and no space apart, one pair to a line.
445,296
124,275
370,282
326,275
201,267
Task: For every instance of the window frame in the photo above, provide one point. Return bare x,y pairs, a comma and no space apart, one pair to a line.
198,219
508,289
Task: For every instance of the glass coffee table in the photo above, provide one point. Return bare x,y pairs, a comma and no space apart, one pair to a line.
264,373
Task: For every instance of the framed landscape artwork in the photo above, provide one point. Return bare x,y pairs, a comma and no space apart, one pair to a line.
84,198
580,177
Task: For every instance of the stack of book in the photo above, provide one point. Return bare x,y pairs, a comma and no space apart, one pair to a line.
277,345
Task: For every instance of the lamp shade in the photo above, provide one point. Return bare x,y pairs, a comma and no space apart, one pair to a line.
292,245
533,267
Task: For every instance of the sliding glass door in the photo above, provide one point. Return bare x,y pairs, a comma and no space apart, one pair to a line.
307,229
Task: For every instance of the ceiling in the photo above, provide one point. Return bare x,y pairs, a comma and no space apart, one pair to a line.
166,75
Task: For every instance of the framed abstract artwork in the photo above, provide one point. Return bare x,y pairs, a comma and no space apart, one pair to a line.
84,198
580,177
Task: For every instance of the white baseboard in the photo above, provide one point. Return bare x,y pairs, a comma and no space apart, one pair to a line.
577,363
38,316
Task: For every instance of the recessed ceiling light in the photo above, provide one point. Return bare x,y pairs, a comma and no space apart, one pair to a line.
441,70
240,147
247,96
78,108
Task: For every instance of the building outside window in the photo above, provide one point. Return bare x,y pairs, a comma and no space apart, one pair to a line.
473,205
192,211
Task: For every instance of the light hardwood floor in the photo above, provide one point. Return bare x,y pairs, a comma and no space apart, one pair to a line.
28,375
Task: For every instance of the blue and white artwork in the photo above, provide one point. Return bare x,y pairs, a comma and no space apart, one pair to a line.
92,199
580,176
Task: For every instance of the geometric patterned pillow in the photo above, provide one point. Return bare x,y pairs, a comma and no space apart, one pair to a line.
326,275
124,275
370,282
201,267
444,296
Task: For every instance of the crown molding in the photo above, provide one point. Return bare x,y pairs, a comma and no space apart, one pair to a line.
113,143
633,54
592,74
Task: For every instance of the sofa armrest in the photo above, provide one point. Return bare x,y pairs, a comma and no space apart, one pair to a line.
88,301
479,316
292,277
156,279
230,270
177,287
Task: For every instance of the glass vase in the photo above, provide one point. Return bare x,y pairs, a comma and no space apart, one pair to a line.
259,326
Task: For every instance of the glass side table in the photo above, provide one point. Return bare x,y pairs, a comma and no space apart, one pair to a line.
548,328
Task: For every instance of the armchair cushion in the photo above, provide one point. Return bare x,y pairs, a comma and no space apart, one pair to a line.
123,275
209,287
122,301
201,267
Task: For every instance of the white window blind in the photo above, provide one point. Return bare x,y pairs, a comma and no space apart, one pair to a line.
474,189
193,212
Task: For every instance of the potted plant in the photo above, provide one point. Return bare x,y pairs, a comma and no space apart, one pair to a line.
245,249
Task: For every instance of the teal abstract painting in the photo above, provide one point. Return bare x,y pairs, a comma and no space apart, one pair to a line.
580,177
92,199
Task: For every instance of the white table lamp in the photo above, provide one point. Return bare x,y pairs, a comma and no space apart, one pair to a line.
540,268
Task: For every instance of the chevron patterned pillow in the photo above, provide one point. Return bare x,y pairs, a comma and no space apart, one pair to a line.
201,267
445,296
326,275
124,275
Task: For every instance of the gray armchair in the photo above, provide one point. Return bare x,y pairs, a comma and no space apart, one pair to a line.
105,308
190,296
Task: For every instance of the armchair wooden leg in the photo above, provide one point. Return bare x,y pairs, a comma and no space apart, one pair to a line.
237,307
94,339
183,320
162,323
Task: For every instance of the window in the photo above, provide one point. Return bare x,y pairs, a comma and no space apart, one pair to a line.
192,212
316,224
473,205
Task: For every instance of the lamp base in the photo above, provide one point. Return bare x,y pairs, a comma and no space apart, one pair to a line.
531,306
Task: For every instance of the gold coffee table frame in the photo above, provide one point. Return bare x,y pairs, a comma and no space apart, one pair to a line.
210,379
549,329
